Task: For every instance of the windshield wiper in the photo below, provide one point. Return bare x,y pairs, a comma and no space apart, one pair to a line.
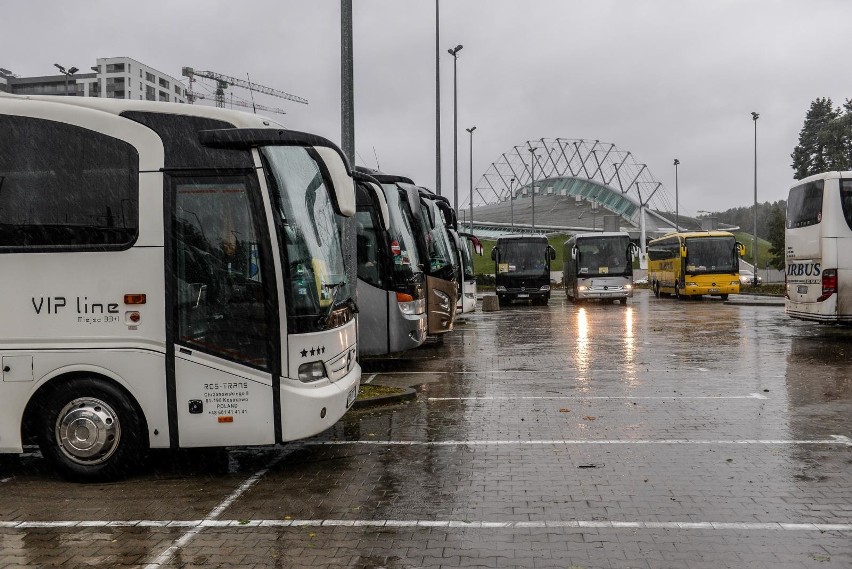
325,318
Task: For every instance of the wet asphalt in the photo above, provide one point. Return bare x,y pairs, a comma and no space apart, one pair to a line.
662,433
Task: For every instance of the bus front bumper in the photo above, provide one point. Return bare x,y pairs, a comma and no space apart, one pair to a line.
307,410
715,289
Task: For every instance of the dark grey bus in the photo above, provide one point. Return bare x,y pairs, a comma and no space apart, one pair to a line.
391,282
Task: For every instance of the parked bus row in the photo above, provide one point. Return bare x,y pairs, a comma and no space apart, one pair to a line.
174,277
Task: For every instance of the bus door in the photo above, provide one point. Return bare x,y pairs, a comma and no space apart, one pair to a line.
222,356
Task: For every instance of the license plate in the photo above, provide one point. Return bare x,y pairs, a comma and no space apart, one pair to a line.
350,398
522,295
714,290
802,289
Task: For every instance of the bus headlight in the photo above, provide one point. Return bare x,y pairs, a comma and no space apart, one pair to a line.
444,299
501,288
545,287
691,284
628,287
311,371
409,306
582,288
735,283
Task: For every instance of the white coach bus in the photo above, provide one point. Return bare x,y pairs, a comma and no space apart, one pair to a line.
172,276
818,249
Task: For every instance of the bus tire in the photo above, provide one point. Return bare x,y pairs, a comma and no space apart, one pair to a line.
91,431
656,289
723,296
677,292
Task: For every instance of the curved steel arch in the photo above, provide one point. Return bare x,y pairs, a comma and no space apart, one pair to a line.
593,170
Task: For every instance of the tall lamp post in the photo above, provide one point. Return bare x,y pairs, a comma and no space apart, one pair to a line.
754,117
532,184
470,132
512,203
67,73
454,52
677,210
437,99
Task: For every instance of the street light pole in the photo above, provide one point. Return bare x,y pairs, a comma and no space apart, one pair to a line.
67,73
437,100
512,203
454,52
532,184
470,132
677,210
754,117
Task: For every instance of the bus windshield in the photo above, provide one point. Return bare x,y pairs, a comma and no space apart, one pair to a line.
315,277
602,256
437,242
804,205
523,258
711,255
467,260
406,263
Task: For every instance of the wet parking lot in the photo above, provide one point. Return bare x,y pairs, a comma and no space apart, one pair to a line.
661,434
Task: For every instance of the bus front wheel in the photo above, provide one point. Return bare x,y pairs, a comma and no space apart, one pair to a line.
91,431
657,289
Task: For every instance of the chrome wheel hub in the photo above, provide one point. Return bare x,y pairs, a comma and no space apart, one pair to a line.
87,431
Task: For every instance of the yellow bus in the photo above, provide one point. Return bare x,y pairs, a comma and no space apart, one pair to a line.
694,264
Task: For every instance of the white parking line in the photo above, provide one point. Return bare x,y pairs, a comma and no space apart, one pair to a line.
198,525
371,378
586,397
534,372
833,440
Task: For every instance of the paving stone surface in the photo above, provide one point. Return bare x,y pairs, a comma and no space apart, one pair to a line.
659,434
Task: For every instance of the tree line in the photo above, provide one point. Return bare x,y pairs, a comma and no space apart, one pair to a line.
825,145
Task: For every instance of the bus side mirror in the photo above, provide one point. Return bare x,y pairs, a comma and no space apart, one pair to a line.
494,254
574,253
551,253
741,250
683,251
343,185
632,251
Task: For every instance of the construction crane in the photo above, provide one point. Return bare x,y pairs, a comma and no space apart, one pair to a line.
225,81
246,104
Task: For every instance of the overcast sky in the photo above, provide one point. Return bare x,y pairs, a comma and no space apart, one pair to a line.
664,79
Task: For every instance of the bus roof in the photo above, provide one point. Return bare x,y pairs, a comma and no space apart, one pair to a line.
690,234
833,175
239,119
524,237
600,234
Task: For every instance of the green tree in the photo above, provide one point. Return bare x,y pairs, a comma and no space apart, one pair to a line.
775,229
811,155
825,141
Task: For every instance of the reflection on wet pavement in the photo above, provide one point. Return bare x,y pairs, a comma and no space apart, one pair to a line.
618,435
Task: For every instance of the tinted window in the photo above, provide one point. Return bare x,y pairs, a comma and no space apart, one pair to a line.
65,186
603,256
846,200
711,255
221,300
369,253
804,206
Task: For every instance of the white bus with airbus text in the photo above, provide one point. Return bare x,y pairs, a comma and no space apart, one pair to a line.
173,276
818,249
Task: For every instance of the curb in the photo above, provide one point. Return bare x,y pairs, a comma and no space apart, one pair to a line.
406,395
